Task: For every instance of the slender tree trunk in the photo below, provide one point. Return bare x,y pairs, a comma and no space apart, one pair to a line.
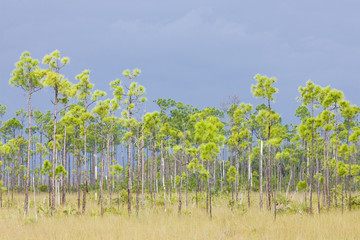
129,176
269,179
336,154
28,157
108,180
78,166
94,161
349,159
150,167
290,179
237,159
1,179
342,195
318,179
327,175
210,197
102,178
278,174
85,170
249,172
142,168
163,172
139,171
324,184
180,186
180,197
64,176
261,175
53,154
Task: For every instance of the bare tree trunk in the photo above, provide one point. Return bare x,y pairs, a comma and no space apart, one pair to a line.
1,179
150,167
336,154
163,172
142,168
208,188
139,171
237,159
64,176
318,180
53,154
108,180
268,180
78,170
327,175
278,173
249,173
28,156
180,197
342,195
180,186
129,176
349,159
102,179
261,175
290,178
210,197
94,160
85,171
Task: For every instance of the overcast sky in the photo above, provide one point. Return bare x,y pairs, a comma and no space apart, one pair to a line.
197,52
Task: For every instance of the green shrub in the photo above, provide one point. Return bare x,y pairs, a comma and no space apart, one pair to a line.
43,188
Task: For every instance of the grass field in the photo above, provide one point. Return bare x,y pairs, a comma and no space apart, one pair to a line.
237,222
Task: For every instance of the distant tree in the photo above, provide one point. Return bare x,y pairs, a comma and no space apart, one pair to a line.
309,96
265,89
27,76
62,89
133,95
84,94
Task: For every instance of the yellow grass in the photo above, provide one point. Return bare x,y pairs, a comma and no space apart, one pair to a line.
154,223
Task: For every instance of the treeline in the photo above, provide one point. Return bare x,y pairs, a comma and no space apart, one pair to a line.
110,145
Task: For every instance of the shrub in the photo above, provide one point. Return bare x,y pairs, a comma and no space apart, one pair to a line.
43,188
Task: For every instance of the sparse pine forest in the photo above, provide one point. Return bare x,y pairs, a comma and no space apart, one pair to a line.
99,155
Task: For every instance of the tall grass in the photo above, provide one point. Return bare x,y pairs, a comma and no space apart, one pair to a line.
230,221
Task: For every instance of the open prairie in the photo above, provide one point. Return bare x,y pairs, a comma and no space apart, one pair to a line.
228,222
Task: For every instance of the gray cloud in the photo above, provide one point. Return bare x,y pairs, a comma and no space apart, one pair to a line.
198,52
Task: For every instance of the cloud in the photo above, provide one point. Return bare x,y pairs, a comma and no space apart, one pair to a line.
194,51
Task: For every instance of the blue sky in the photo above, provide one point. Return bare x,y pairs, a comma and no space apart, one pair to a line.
197,52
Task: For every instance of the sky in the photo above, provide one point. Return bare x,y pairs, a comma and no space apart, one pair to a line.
196,52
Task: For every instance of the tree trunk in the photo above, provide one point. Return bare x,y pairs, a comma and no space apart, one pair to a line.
28,157
108,180
78,171
142,168
85,171
163,172
63,199
94,161
268,179
249,173
129,177
139,171
261,175
102,178
53,154
336,154
237,159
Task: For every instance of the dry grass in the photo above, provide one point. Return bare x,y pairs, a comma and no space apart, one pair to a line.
154,223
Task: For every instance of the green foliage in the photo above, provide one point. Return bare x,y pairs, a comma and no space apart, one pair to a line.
231,174
27,74
264,87
43,188
301,185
